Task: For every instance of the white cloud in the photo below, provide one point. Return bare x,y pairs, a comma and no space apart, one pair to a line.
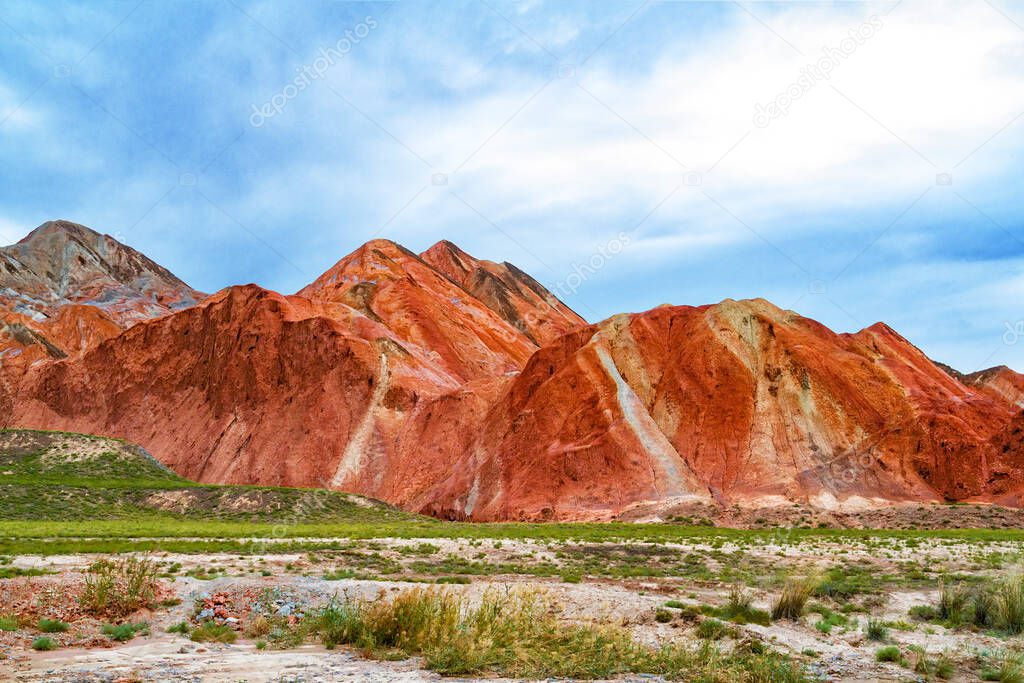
941,79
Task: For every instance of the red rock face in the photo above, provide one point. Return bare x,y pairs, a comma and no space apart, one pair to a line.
740,402
520,300
421,306
417,379
1001,383
64,288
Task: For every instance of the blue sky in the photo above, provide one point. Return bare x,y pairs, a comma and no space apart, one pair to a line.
242,141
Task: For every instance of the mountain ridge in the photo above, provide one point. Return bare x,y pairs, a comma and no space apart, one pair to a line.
462,388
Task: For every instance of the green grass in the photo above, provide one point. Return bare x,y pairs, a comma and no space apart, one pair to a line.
516,635
117,501
14,572
124,632
44,643
52,626
210,632
60,476
889,653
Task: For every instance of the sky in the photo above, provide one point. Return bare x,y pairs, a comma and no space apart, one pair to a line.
854,162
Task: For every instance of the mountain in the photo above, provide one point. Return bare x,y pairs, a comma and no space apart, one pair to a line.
64,288
520,300
740,403
464,389
310,389
421,306
1001,383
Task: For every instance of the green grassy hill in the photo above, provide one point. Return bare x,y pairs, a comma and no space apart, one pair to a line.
58,476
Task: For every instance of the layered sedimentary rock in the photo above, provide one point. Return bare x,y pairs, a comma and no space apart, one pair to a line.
64,288
519,299
463,388
742,402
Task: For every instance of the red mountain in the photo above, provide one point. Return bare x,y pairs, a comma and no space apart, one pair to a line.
465,389
64,288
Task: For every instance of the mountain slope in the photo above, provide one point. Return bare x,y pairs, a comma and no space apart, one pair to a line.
741,401
520,300
52,476
64,288
421,306
418,380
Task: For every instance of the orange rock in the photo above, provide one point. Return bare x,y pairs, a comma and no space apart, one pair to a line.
64,288
520,300
418,380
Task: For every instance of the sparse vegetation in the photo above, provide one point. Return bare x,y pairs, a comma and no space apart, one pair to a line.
516,635
44,643
209,632
117,588
52,626
794,596
1008,667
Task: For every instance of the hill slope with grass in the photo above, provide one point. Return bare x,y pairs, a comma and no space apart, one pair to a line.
63,476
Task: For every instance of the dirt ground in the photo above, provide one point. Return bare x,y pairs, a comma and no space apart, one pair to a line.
225,582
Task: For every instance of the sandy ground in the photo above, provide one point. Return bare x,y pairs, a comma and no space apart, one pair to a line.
843,655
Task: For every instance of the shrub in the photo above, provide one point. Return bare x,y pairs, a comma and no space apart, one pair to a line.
791,602
952,601
889,653
712,629
181,627
123,632
118,588
876,630
517,635
675,604
1008,669
662,616
8,623
52,626
210,632
44,643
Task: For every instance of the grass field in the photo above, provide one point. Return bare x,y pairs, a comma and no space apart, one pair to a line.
801,604
71,493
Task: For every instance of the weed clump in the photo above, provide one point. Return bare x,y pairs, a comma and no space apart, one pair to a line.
116,589
44,643
517,635
52,626
876,630
124,632
795,593
209,632
889,653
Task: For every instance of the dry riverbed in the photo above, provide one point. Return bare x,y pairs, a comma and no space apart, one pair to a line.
711,591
